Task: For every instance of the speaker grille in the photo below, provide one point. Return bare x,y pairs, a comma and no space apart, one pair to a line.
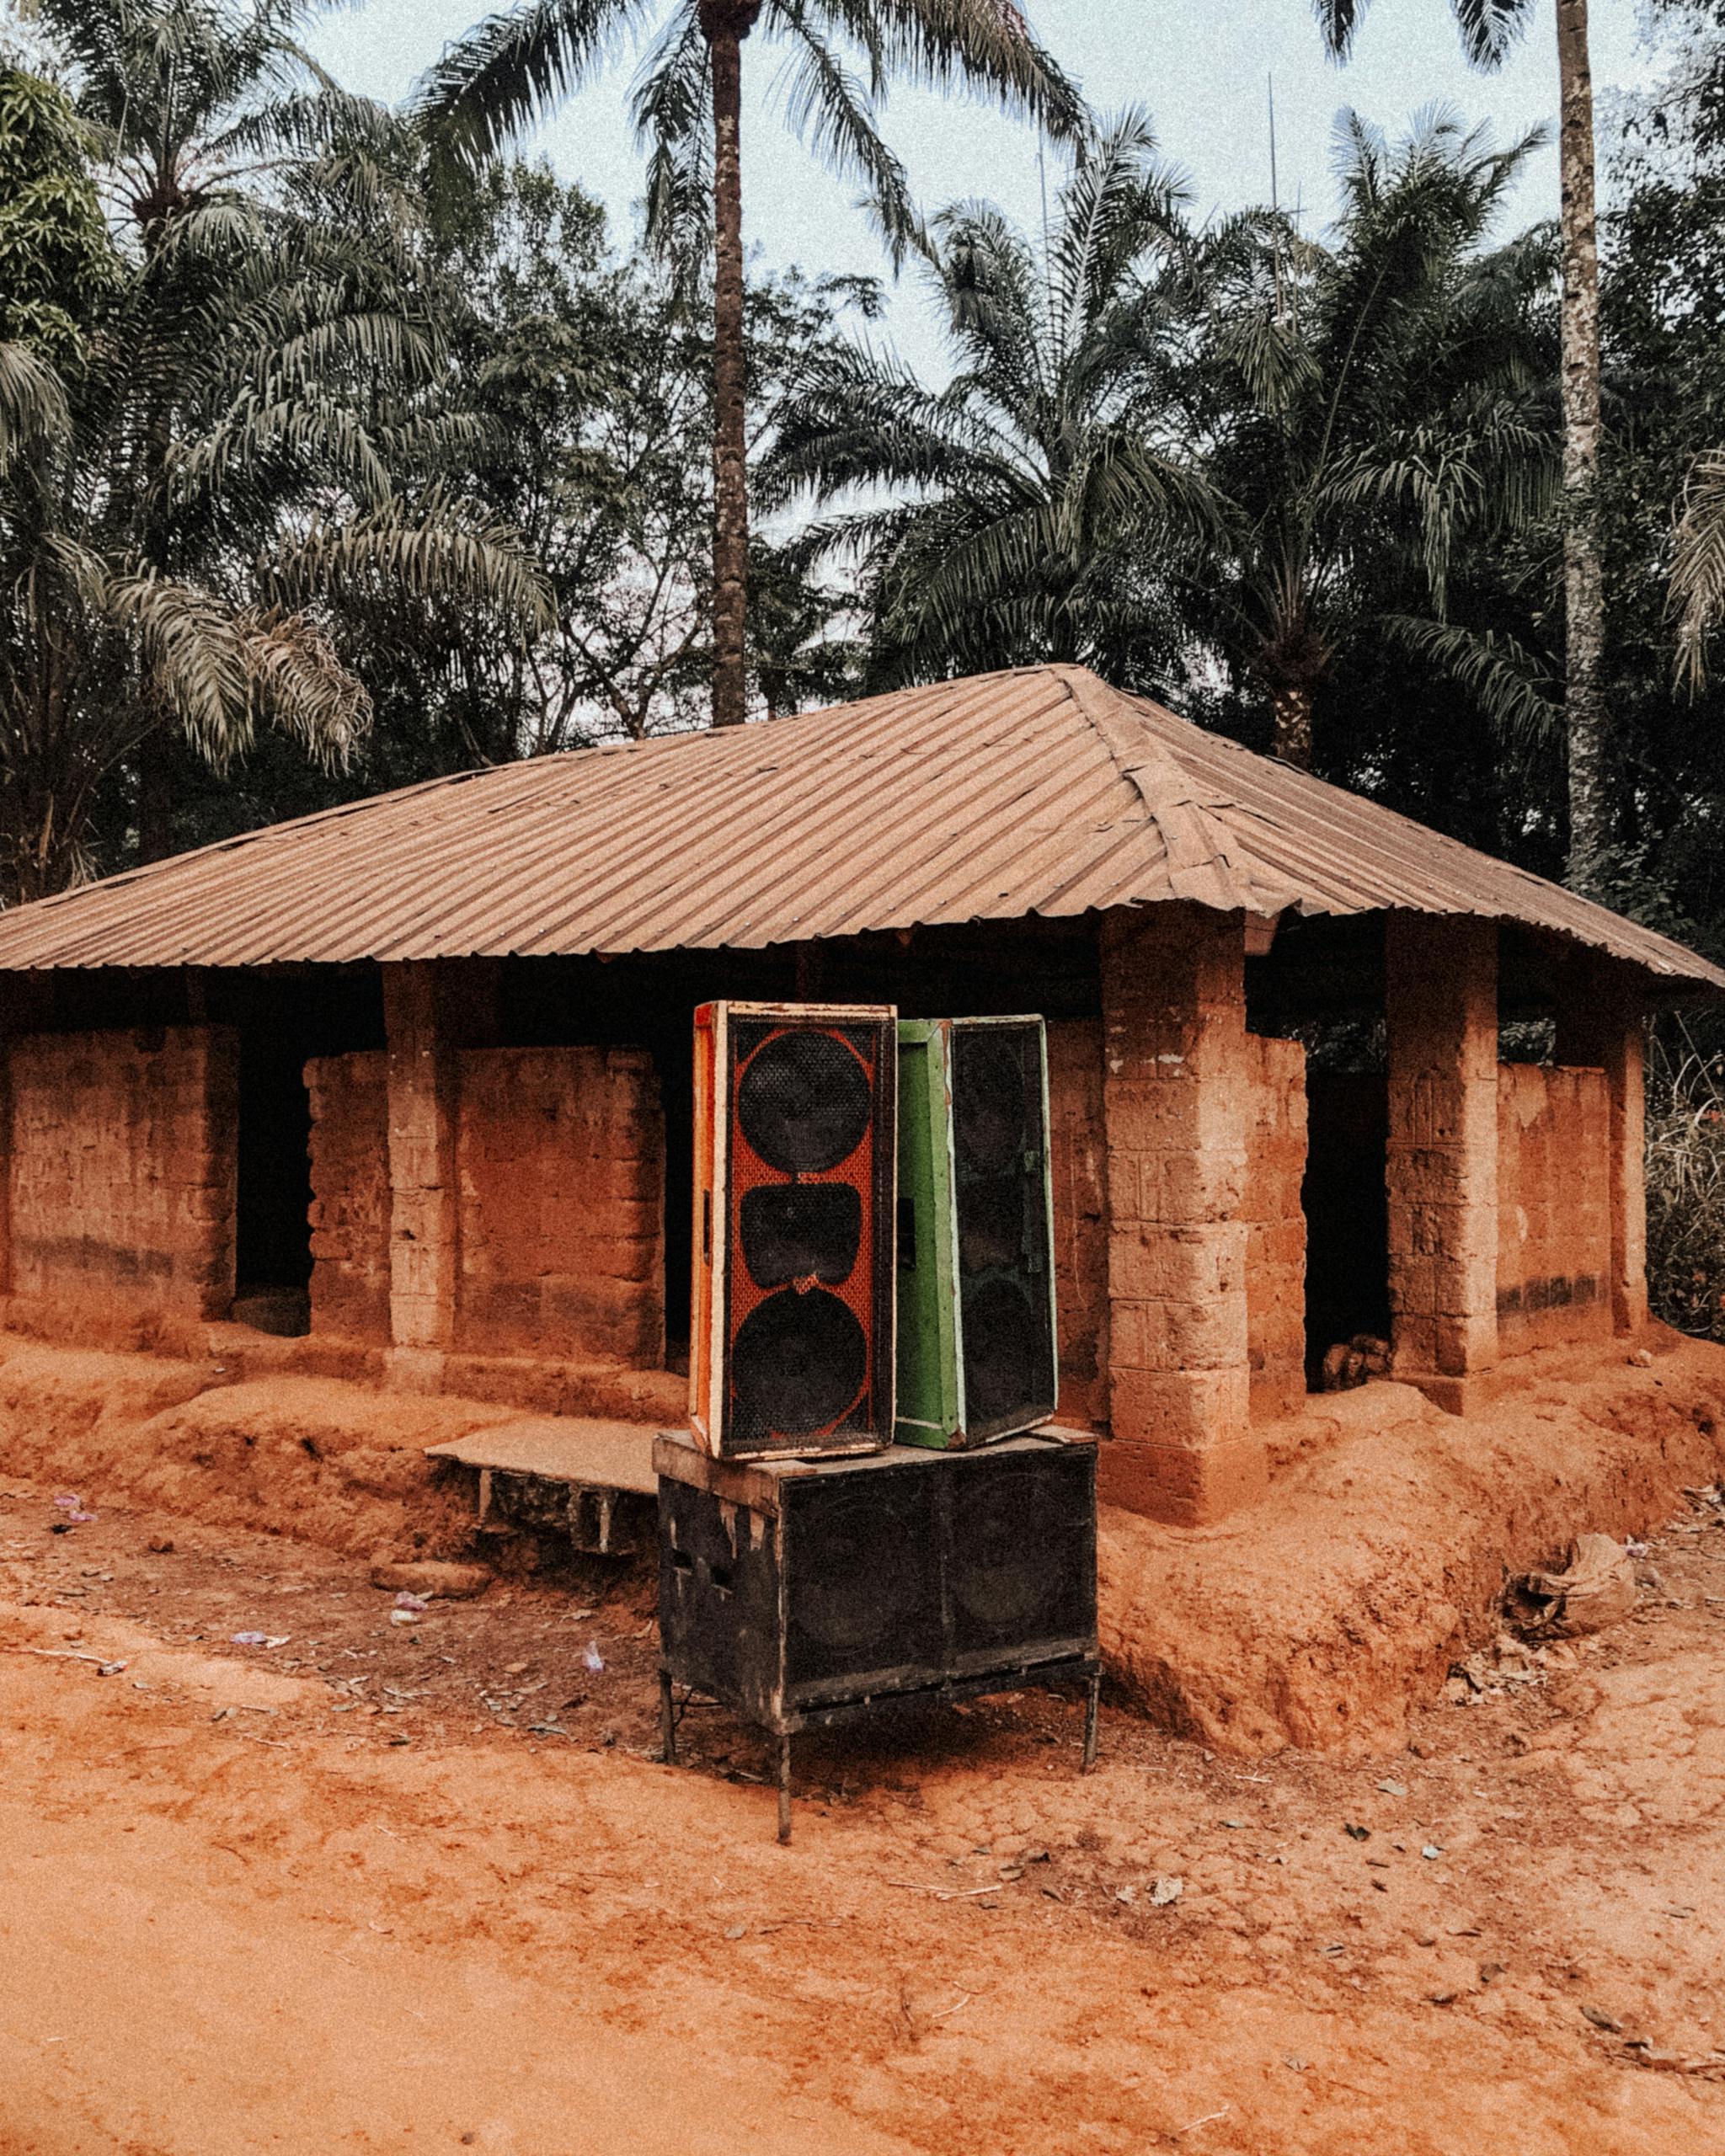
803,1101
1005,1284
799,1361
1023,1560
862,1564
801,1231
808,1294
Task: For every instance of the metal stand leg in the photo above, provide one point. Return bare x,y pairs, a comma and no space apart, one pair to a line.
784,1788
667,1719
1090,1721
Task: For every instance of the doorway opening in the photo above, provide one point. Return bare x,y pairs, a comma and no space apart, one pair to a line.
273,1227
1345,1202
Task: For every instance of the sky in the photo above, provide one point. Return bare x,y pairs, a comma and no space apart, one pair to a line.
1203,69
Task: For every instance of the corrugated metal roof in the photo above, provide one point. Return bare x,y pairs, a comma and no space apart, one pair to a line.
1040,791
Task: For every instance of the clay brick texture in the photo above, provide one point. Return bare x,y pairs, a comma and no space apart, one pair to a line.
1078,1150
123,1169
351,1199
1275,1228
1442,1023
1178,1096
1554,1206
561,1207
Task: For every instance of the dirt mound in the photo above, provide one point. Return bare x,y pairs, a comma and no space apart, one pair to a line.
1322,1616
322,1460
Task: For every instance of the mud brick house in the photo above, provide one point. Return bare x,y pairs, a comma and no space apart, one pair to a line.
406,1084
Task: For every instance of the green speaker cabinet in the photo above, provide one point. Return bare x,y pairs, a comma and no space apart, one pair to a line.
977,1357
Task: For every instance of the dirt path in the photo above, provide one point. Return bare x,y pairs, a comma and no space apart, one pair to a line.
409,1888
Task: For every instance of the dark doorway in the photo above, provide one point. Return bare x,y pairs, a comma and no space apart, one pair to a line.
673,1052
1347,1211
273,1231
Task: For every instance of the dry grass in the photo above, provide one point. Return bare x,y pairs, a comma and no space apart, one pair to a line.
1686,1188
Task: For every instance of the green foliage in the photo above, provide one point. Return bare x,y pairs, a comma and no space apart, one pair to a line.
1021,501
256,437
515,67
57,266
1685,1163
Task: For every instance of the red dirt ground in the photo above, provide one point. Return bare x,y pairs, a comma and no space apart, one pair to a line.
408,1889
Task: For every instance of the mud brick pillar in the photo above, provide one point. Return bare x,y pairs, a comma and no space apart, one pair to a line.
1441,1005
1601,1026
1177,1093
431,1010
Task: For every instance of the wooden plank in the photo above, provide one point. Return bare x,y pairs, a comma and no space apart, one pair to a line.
598,1455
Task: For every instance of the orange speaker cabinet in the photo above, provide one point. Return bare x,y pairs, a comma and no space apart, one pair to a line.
796,1164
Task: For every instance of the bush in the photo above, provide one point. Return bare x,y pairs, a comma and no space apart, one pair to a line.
1685,1090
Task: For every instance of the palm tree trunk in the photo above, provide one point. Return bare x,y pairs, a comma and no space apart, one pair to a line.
1583,584
1290,731
726,24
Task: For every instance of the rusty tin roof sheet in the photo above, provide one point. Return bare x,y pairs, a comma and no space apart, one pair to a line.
1040,791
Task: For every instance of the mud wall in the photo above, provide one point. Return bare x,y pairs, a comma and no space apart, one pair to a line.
1079,1164
122,1173
350,1097
1275,1227
560,1161
1554,1206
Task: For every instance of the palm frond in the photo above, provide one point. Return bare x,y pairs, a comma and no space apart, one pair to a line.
509,71
1510,684
34,413
1698,566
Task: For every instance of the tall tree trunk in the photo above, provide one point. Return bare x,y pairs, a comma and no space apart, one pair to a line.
1583,584
1290,730
726,24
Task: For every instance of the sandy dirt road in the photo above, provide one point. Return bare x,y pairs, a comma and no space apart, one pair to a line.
409,1889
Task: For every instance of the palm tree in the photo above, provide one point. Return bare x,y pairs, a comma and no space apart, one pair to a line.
513,67
1487,27
1036,476
1363,408
256,433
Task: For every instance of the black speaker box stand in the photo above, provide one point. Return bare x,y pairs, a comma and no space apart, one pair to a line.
801,1593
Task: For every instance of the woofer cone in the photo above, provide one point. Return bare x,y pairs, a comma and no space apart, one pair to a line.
1001,1330
989,1105
798,1362
804,1102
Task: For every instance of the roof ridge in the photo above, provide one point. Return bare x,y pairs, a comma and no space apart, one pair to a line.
1203,847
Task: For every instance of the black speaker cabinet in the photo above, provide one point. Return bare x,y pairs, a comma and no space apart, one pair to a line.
804,1592
796,1167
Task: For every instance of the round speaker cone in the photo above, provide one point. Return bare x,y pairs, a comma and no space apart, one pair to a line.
804,1102
1001,1331
1010,1570
988,1104
798,1362
865,1579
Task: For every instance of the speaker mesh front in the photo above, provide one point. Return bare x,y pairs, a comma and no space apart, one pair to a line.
989,1105
804,1102
808,1287
862,1576
1006,1278
798,1362
801,1231
1024,1563
999,1347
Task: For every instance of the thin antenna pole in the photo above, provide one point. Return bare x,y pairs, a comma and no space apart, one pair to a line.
1275,194
1048,272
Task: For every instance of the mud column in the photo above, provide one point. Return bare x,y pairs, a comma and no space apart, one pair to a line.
431,1009
1441,1005
1176,1091
1601,1026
